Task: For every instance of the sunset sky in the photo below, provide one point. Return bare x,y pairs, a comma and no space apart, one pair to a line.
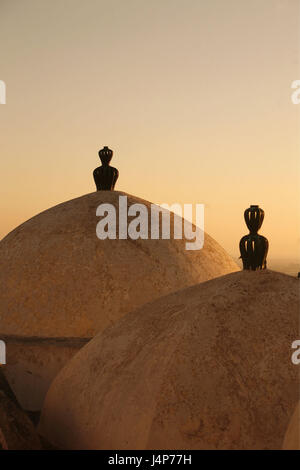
193,96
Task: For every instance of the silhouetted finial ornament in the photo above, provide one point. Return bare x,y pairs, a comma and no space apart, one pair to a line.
105,176
254,247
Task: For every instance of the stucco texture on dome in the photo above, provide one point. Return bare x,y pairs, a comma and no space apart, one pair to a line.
207,367
292,435
57,279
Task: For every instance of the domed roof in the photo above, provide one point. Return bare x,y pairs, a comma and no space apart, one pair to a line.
57,279
292,435
207,367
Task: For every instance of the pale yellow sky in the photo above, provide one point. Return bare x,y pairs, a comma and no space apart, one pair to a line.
193,96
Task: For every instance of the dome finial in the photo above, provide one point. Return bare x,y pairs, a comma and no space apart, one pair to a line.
254,247
105,176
